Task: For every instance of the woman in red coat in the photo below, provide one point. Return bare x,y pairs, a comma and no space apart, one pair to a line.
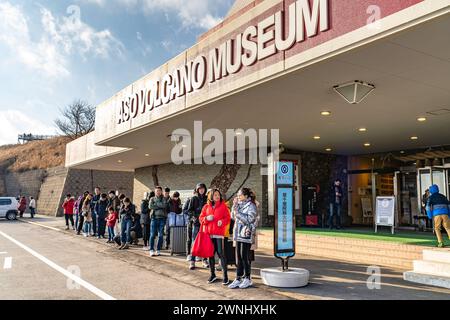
215,218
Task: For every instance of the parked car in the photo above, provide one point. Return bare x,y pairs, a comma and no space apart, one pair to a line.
8,208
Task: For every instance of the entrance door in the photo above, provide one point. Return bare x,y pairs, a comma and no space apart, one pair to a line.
430,176
406,198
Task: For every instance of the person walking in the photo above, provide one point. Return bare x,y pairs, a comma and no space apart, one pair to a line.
32,207
22,206
80,212
68,206
215,218
196,204
438,210
244,213
101,209
335,204
145,219
159,207
126,215
87,214
111,223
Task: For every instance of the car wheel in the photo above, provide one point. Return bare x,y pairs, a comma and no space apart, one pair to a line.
11,216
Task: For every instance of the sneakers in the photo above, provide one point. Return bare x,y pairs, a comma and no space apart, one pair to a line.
67,227
198,259
126,246
145,248
212,279
246,283
188,258
158,253
225,281
235,284
205,264
152,253
192,265
440,245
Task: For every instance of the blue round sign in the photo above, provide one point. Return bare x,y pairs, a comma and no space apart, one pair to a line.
284,169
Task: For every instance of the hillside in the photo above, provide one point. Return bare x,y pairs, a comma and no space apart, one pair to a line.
34,155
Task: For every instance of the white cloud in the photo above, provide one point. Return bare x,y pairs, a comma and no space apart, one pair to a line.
61,37
16,122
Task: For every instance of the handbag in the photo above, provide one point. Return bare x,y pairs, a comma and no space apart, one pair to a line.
203,246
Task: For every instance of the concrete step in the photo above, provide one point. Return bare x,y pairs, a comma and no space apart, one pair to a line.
427,279
437,255
432,267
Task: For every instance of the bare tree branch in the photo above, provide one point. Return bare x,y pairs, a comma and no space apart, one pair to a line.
77,119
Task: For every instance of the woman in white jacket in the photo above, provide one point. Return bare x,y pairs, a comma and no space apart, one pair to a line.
245,215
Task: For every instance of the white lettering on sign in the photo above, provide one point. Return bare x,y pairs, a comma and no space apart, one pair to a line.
276,33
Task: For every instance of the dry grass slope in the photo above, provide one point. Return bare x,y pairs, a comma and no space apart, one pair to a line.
34,155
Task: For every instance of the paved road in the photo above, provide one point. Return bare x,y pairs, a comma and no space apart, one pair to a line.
39,256
44,258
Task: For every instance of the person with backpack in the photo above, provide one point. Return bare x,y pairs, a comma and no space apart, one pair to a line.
159,207
438,210
145,219
101,208
68,207
196,204
215,219
245,215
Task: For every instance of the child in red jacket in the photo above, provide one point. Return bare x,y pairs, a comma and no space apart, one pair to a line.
111,223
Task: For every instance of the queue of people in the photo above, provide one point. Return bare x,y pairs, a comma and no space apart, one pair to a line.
205,211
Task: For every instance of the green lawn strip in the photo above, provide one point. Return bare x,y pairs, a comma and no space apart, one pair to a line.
403,238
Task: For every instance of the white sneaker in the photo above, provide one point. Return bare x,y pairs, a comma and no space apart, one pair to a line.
246,283
198,259
188,258
158,253
152,253
145,248
235,284
205,264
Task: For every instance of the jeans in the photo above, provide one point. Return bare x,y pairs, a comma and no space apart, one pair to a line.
33,212
125,230
157,226
69,217
88,227
111,233
195,230
335,210
76,221
243,262
219,248
146,233
101,225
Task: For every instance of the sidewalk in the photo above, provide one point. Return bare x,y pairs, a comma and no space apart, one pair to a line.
330,279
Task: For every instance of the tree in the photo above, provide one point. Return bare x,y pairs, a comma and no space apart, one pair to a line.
77,119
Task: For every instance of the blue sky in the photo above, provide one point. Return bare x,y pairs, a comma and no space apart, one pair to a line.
55,51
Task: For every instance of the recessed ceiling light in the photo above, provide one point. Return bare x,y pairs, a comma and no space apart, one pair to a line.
119,161
367,144
328,149
325,113
362,129
316,137
147,155
414,138
421,119
402,152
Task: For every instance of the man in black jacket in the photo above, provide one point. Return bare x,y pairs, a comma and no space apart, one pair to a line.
196,204
101,209
335,204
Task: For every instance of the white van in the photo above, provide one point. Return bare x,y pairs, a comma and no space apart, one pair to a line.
8,208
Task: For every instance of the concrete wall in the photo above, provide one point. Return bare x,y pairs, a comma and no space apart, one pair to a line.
26,183
185,177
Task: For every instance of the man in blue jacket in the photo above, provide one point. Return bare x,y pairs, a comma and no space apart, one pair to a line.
438,210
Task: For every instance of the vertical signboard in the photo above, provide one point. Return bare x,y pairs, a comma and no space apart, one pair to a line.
284,235
385,211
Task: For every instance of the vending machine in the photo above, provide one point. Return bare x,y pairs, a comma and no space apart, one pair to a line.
310,213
